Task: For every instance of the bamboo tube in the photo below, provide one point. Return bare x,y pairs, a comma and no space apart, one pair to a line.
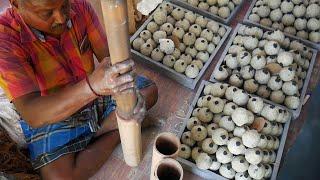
168,169
116,26
166,145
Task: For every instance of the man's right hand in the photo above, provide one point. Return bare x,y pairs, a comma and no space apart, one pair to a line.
110,80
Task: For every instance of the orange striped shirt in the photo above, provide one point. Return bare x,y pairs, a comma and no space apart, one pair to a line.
33,62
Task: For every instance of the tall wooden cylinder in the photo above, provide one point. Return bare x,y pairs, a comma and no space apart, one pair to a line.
116,26
166,145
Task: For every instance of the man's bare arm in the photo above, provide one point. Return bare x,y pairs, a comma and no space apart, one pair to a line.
38,110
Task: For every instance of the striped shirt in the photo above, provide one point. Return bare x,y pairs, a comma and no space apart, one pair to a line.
30,61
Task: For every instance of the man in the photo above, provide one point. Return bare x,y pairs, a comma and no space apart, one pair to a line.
47,71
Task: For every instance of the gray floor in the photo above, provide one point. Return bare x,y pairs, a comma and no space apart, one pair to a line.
301,163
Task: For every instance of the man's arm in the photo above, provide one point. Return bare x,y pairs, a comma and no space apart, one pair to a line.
96,33
42,110
39,110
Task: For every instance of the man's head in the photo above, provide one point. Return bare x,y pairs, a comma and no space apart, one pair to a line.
48,16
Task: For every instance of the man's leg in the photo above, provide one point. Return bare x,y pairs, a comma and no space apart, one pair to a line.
86,163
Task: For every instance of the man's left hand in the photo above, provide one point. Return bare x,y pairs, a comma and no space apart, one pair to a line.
140,109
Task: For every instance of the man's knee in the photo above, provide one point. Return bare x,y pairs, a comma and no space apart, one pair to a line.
62,168
151,95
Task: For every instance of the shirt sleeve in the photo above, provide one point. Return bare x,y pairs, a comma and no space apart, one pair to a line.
16,74
96,33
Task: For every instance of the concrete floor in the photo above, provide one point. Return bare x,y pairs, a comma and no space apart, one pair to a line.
301,160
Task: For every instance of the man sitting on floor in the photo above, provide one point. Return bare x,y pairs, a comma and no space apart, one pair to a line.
47,70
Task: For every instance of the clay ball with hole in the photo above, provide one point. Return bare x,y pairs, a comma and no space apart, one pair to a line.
236,80
242,116
254,155
186,138
215,163
292,102
227,123
210,128
270,112
169,61
180,66
287,74
195,152
239,131
242,176
152,27
203,161
263,142
190,16
240,97
229,108
177,14
199,133
216,105
185,151
193,121
205,115
157,55
184,24
220,74
220,136
251,86
240,164
256,171
255,104
209,146
160,16
192,71
262,76
227,171
137,43
247,72
223,155
272,48
159,35
275,83
235,146
251,138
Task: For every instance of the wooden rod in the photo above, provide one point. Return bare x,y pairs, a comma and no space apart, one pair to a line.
116,25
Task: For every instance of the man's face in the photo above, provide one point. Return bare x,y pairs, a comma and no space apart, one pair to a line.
48,16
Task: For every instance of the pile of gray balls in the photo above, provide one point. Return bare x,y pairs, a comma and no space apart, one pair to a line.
267,64
221,8
219,136
297,17
198,37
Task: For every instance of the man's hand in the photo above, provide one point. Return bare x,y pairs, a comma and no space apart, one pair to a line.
140,109
110,80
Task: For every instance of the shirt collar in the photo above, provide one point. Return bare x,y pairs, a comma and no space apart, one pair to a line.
29,34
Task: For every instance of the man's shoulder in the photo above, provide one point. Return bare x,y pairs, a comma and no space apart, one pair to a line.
9,27
79,5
